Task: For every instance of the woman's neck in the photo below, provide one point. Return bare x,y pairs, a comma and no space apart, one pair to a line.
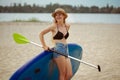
60,24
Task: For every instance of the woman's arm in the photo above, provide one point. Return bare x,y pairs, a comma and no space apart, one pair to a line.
68,26
41,36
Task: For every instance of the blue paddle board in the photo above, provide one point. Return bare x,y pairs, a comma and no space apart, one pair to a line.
42,66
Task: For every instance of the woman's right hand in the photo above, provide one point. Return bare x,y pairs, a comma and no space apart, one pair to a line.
46,48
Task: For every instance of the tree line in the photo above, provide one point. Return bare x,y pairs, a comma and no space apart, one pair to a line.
18,8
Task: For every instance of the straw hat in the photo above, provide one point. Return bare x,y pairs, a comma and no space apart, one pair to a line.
59,10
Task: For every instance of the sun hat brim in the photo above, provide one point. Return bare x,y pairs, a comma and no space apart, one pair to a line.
59,10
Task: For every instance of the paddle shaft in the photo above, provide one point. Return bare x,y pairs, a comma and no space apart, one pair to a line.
23,40
89,64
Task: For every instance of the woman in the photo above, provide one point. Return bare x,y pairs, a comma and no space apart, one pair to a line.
60,34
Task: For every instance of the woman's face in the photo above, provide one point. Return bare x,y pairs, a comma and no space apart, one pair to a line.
59,16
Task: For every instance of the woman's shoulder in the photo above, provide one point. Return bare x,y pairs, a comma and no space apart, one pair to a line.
52,26
67,25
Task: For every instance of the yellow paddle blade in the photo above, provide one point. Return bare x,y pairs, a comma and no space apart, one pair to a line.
18,38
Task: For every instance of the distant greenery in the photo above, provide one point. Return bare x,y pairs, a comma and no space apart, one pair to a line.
18,8
30,20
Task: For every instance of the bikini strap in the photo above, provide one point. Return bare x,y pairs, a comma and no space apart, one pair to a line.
65,27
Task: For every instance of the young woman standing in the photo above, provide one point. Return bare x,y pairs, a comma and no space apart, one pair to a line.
59,29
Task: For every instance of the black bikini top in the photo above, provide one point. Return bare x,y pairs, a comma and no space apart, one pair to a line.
59,35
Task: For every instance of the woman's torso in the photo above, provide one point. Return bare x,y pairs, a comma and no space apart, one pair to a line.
59,31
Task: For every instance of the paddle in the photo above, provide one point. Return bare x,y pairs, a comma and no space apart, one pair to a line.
23,40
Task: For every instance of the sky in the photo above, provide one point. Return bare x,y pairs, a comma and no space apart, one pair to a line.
99,3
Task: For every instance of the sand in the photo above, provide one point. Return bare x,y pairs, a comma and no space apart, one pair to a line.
100,43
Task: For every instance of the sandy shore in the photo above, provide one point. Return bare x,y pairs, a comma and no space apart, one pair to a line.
100,42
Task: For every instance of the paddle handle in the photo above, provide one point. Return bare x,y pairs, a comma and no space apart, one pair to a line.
83,62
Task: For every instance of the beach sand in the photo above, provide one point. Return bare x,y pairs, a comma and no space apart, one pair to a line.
100,43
